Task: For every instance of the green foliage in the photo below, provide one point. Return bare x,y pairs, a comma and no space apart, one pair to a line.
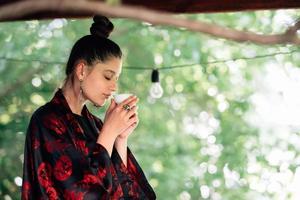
196,136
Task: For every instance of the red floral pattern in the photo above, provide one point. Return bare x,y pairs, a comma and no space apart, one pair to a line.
53,123
59,163
36,143
51,193
45,174
63,168
57,145
88,180
26,190
72,121
72,195
81,145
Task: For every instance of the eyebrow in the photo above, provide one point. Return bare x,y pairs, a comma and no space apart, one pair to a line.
109,70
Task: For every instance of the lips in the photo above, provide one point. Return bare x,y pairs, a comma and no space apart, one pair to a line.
107,95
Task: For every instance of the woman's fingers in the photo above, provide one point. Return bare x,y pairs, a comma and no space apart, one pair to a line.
132,111
111,106
126,101
132,105
131,101
133,120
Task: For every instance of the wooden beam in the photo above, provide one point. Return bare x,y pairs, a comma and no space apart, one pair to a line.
25,8
203,6
173,6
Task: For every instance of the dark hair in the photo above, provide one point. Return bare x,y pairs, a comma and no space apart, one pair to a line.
96,46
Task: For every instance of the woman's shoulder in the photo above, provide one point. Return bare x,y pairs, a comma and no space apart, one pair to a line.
42,111
45,115
47,120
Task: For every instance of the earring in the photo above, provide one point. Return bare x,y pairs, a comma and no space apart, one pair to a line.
80,90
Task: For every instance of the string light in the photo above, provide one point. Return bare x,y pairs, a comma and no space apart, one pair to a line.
164,67
156,90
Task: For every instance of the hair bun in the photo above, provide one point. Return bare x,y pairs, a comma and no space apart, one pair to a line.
102,26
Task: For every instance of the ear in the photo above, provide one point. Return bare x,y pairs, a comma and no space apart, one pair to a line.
80,69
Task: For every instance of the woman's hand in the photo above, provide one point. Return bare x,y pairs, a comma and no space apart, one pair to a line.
130,129
118,120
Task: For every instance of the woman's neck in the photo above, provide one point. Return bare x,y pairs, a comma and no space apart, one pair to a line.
72,94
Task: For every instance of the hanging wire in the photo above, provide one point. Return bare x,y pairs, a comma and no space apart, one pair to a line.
215,61
163,67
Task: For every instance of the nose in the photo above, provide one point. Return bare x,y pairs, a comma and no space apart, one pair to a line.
114,86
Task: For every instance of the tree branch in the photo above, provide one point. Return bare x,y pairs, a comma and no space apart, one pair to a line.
293,29
29,7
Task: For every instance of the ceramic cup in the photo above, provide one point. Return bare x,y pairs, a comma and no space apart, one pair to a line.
121,97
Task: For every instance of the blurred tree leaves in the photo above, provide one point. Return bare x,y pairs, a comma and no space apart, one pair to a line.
193,138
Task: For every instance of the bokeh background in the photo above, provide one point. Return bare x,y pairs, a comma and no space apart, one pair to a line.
227,126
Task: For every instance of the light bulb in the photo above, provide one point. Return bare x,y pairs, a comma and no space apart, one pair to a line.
156,90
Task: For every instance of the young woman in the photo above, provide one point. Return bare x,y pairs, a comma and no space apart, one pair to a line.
69,152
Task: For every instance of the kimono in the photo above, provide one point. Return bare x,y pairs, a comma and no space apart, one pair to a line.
63,161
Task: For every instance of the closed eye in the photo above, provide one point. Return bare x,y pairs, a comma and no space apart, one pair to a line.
107,78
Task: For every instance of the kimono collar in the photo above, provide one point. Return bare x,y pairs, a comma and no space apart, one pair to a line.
60,103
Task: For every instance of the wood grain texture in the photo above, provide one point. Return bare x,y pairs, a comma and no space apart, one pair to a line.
173,6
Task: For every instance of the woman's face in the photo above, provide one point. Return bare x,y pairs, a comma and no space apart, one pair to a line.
102,80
